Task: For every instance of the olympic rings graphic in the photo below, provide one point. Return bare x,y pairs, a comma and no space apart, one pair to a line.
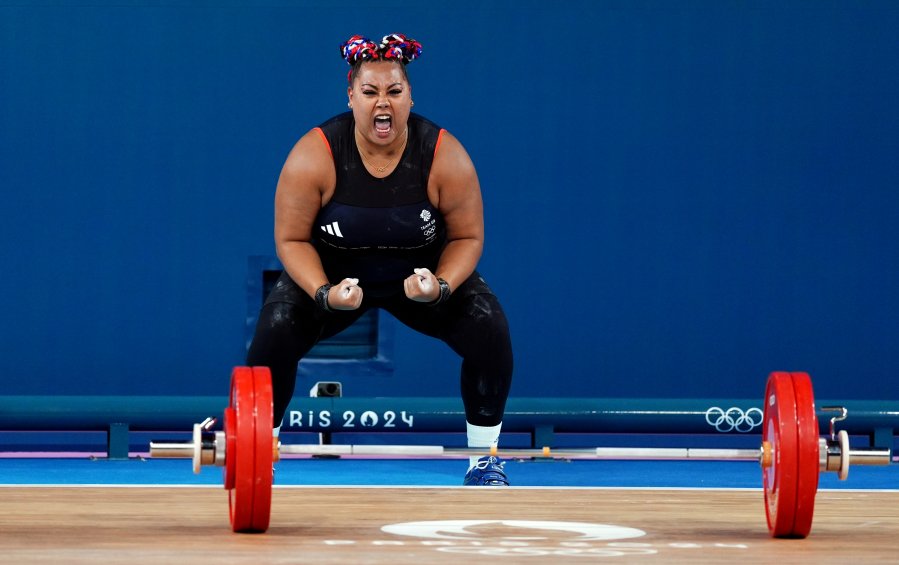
734,419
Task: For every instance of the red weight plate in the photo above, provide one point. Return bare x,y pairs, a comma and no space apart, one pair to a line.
779,429
240,499
262,495
807,444
230,447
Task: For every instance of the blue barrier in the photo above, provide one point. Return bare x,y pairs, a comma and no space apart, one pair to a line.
541,417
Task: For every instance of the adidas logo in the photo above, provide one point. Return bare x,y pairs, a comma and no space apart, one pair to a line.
332,229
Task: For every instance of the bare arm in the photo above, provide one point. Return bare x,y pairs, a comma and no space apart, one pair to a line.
453,187
306,183
457,194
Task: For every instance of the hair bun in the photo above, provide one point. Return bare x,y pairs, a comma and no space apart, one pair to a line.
358,48
398,46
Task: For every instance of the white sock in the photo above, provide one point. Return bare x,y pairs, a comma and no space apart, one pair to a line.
481,436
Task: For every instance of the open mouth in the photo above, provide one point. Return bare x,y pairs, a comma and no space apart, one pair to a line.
383,122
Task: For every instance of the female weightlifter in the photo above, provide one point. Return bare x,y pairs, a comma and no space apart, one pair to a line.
381,208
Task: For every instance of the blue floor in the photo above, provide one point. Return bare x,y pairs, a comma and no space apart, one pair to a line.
426,472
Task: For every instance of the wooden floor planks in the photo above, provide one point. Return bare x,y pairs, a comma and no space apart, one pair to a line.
344,525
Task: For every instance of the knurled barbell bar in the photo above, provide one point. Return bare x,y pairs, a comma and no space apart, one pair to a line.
791,454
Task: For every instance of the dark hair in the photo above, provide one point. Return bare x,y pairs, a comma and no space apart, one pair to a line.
395,47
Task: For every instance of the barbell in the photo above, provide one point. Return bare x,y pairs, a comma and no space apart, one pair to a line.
791,454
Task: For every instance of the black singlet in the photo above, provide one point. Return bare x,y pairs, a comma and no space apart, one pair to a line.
379,230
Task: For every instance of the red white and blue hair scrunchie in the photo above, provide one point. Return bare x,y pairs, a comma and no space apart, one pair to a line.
395,46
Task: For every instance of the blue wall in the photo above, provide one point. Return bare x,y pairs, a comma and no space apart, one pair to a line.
680,196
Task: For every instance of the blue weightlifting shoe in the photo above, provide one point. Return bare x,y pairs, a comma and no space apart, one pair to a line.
487,473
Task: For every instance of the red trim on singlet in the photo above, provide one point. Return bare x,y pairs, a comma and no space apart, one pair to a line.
439,138
325,139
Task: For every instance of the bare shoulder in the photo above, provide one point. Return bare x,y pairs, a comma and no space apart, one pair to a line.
453,175
451,158
309,164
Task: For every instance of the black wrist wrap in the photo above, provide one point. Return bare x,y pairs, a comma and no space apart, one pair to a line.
444,293
321,297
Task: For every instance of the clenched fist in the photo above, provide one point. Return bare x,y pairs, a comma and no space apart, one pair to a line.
347,295
422,286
